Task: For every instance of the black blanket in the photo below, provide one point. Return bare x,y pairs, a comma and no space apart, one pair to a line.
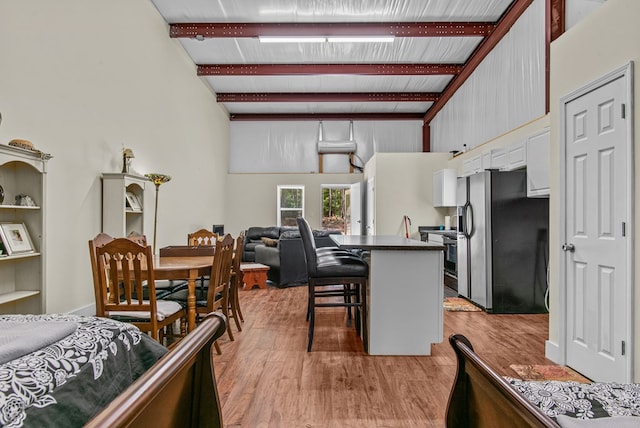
66,383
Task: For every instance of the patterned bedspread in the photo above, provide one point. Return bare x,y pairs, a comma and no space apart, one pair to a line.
581,400
64,384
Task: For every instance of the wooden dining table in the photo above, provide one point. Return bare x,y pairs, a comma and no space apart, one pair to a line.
184,267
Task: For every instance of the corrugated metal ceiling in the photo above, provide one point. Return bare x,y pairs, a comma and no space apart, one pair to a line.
408,57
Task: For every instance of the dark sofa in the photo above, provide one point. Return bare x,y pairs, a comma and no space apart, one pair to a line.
285,259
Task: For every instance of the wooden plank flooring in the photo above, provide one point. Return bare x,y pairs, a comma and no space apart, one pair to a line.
267,379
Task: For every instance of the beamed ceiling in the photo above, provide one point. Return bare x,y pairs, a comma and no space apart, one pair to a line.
437,45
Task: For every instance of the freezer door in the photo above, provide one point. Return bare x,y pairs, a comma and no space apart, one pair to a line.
462,265
461,191
479,245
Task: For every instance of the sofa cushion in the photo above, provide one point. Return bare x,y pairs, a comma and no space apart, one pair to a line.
290,234
256,233
323,233
269,256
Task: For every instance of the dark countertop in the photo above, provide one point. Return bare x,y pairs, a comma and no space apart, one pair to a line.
424,230
384,242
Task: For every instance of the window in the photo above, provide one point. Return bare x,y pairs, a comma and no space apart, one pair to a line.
290,204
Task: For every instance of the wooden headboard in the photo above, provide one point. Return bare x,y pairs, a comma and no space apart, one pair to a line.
482,398
178,391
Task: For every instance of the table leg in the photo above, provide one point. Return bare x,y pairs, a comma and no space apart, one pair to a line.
191,301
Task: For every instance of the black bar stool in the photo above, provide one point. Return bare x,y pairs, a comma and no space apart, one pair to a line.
328,268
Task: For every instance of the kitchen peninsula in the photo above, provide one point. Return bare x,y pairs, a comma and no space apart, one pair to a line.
404,293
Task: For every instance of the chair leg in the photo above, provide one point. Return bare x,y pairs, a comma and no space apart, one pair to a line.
233,305
311,316
237,300
231,338
183,326
347,300
217,346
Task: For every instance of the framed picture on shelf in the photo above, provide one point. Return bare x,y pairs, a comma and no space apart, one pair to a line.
133,202
15,238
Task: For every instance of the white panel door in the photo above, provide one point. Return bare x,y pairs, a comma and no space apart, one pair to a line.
371,207
355,209
595,243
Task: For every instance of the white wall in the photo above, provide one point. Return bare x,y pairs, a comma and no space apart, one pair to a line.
506,91
606,40
291,146
404,186
80,79
251,198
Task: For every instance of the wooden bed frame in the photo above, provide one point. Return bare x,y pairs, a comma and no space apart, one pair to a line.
482,398
178,391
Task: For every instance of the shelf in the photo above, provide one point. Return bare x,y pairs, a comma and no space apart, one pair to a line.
18,256
18,207
16,295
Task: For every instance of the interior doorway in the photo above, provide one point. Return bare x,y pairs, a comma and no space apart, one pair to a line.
335,215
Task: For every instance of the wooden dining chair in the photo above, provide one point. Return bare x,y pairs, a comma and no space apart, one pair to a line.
164,287
125,272
202,237
215,297
98,241
236,283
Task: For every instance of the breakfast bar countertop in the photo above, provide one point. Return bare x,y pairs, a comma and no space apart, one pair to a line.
384,242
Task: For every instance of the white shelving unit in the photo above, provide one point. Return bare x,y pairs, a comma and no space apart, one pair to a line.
22,275
119,217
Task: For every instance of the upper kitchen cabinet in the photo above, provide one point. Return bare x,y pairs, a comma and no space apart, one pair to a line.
23,198
123,204
444,188
516,156
472,165
538,164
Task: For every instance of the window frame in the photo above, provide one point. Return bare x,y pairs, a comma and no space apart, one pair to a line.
279,209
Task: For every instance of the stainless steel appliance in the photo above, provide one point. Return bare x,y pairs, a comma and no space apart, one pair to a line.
449,239
502,243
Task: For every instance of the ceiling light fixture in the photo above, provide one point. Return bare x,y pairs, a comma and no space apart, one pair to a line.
323,39
277,39
361,39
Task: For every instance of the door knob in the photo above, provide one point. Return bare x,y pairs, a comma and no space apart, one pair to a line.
568,247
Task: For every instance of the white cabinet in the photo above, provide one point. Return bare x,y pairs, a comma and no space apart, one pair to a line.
472,165
538,165
22,274
444,188
498,158
123,204
516,156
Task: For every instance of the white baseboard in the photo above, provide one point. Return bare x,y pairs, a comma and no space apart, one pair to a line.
552,352
89,310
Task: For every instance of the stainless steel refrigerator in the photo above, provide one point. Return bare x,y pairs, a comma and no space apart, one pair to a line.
502,243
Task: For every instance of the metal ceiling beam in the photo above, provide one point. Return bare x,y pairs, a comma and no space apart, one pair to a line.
266,97
326,116
398,29
315,69
515,10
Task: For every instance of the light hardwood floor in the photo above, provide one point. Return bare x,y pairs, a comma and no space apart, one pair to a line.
267,379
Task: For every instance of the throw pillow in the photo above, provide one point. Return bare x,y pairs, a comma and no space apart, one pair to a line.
269,242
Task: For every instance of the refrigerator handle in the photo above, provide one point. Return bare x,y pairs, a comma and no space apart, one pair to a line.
468,220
